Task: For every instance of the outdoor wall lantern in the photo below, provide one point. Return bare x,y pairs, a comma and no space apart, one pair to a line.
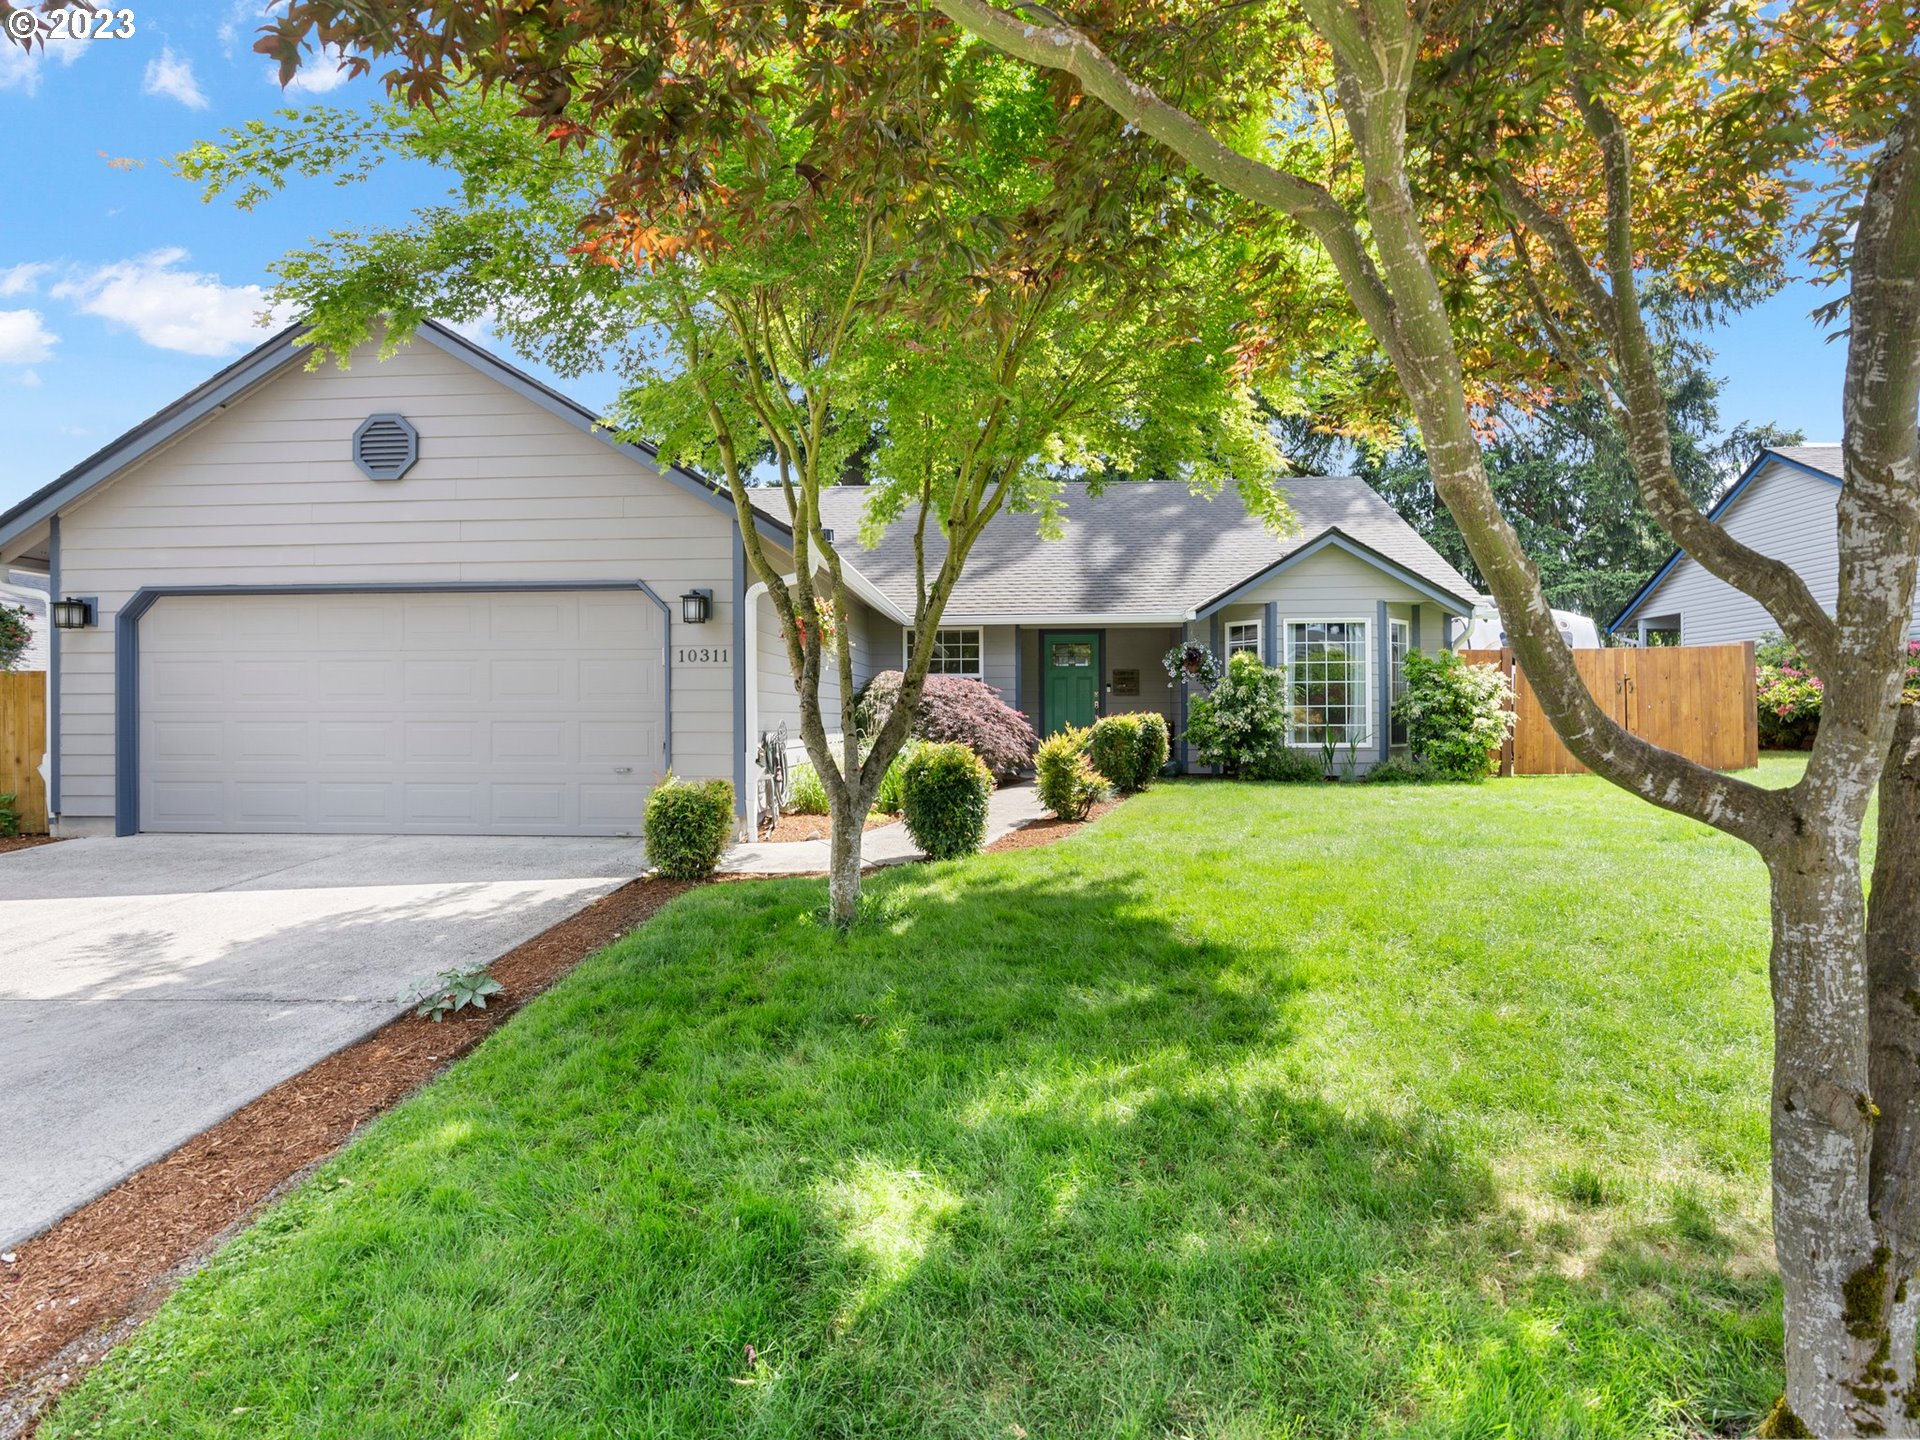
72,614
696,606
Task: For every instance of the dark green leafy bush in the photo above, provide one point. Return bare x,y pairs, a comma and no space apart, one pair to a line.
1128,749
1068,784
944,792
1287,765
1457,715
688,826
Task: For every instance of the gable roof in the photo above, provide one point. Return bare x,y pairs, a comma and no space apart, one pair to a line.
1824,462
1143,551
282,352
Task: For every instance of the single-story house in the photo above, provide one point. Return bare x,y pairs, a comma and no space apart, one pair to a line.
1786,505
427,594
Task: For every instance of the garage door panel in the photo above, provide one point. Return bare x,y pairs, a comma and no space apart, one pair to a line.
449,809
503,713
443,742
266,742
268,804
532,682
358,742
339,681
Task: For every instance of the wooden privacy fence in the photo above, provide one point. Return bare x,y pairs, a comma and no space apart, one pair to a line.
1696,700
23,744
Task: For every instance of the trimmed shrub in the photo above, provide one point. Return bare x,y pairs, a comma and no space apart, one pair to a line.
1240,726
1156,745
1069,786
688,826
1397,770
1128,749
954,710
1288,766
1457,715
806,791
944,793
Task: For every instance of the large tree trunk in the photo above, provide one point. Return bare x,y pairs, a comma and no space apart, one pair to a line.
843,865
1833,1268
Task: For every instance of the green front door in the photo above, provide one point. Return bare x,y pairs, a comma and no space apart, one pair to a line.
1072,666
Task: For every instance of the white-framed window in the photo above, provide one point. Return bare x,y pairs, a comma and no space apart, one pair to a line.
956,651
1399,643
1243,635
1327,683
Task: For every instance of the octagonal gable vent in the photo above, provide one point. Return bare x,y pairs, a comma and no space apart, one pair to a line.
385,446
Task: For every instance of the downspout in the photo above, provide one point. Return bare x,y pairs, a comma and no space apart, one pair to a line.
750,606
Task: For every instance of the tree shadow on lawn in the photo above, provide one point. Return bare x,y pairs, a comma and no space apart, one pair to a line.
1016,1156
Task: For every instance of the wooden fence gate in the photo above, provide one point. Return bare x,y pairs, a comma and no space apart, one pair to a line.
23,744
1696,700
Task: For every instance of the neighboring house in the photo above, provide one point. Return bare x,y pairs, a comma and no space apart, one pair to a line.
429,595
18,591
1786,505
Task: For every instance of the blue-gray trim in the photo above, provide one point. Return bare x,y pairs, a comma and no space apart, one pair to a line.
53,668
283,350
126,657
1270,635
1337,539
385,471
1383,648
1747,477
740,738
1019,670
1413,630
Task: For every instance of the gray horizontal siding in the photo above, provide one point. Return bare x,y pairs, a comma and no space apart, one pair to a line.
266,493
1783,512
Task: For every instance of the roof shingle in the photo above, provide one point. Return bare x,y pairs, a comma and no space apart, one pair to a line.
1150,549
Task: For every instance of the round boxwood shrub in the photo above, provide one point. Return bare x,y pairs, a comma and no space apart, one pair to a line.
944,794
892,792
688,826
1128,749
1069,786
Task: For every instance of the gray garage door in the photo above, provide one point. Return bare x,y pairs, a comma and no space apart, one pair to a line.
509,713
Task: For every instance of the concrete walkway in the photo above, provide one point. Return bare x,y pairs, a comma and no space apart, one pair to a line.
1011,807
152,985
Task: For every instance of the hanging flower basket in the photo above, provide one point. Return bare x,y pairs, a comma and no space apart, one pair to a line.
1194,664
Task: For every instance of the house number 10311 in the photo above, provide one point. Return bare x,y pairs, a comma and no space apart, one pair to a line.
701,655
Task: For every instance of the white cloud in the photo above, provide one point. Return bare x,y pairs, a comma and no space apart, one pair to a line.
168,307
318,73
22,279
28,378
171,75
20,67
24,338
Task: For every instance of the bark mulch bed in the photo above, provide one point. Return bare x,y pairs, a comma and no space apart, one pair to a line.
73,1291
812,827
1045,832
27,842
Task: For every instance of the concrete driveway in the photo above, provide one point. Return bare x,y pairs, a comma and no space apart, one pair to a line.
150,986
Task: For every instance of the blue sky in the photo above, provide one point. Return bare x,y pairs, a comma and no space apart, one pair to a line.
120,288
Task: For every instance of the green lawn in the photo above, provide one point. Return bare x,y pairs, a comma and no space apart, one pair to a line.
1252,1111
